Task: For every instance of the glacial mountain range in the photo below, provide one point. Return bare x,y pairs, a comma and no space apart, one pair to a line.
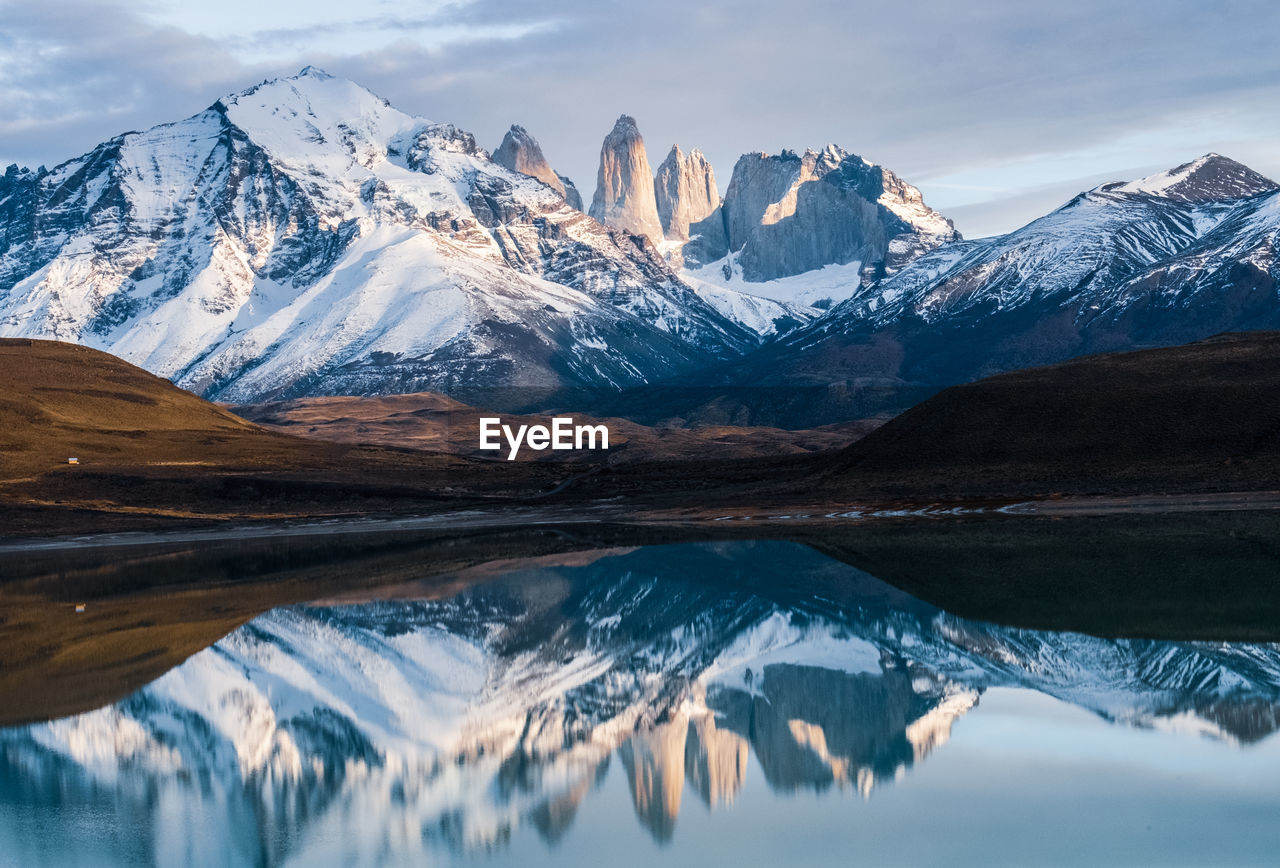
1169,259
1114,266
449,723
305,238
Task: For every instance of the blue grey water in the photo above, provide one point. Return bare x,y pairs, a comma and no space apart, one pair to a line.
744,703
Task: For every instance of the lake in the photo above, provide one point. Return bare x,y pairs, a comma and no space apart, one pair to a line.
737,702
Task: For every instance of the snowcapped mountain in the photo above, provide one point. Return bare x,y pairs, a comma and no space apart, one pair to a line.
304,237
450,723
1173,258
1080,256
1211,178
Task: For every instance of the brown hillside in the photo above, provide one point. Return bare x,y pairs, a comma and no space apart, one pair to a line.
62,400
1202,416
149,452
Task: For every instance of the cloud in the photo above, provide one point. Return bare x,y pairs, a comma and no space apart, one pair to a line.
76,74
932,88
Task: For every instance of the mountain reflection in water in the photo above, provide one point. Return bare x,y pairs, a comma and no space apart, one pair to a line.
404,729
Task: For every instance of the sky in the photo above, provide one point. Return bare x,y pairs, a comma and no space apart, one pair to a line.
997,110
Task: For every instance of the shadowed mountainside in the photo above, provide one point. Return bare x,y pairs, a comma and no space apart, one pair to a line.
1204,416
1188,420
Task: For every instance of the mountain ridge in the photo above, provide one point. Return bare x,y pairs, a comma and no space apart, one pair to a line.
1110,270
304,236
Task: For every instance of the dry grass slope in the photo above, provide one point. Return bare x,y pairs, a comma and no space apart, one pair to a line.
61,400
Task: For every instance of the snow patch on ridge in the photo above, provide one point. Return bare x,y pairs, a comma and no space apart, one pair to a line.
809,293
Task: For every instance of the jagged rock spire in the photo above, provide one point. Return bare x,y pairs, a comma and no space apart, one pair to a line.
624,184
685,190
521,153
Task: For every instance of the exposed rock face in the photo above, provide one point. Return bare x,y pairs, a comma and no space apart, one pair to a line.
521,153
571,194
624,185
1210,178
685,190
790,213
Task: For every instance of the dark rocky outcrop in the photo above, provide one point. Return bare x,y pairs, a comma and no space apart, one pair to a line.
521,153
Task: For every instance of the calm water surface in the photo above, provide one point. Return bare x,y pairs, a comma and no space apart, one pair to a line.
677,703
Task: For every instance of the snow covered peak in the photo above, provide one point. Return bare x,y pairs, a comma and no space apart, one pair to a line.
311,83
1212,177
314,113
314,72
834,155
305,234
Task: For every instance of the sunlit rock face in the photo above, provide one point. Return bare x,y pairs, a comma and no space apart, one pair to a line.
715,761
415,725
624,183
520,152
685,189
655,765
789,213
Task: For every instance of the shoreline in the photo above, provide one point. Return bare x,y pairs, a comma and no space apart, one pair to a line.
516,517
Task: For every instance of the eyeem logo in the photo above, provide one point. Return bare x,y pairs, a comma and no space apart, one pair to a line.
563,435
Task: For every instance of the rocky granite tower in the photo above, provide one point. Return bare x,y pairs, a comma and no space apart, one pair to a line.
790,213
521,153
624,185
685,190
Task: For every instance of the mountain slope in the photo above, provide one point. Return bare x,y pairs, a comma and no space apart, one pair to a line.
1157,262
1206,413
151,455
303,237
60,401
1075,257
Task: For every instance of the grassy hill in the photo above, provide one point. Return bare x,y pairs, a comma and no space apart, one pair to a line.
62,400
148,451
